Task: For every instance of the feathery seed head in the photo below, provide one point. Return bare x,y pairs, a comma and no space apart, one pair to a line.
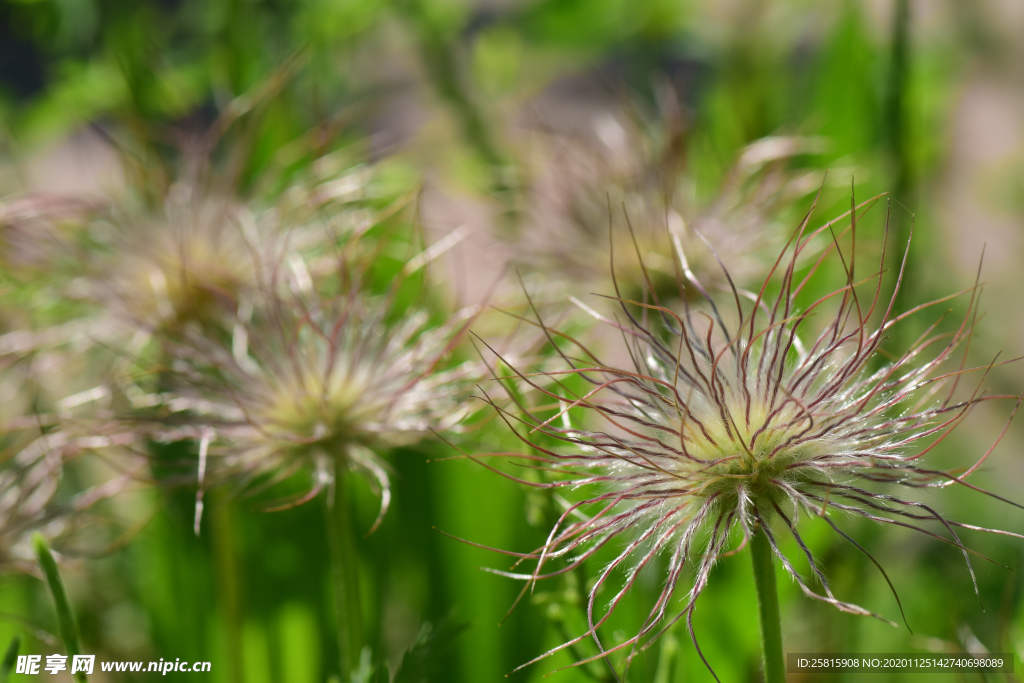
306,376
569,213
28,481
366,383
31,469
37,233
191,266
732,422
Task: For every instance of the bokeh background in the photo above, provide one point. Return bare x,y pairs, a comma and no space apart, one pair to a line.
473,106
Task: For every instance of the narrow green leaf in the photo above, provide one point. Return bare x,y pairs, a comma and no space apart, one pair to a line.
422,662
10,658
65,617
666,659
365,672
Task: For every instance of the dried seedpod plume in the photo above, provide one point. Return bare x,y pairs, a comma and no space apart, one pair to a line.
283,339
144,275
203,254
190,266
32,466
40,442
320,377
38,233
28,481
642,168
314,375
255,322
738,416
29,504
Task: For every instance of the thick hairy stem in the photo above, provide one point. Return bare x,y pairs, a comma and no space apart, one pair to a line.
768,608
345,569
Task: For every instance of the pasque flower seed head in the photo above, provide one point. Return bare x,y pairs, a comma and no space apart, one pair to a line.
731,422
306,376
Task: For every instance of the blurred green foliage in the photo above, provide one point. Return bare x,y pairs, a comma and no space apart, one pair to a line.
297,79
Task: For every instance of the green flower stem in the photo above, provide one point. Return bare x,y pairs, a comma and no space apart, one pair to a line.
345,568
228,581
768,608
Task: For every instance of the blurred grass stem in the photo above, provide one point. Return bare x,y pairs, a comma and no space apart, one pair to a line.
228,576
768,608
898,148
344,568
10,659
65,616
439,47
897,144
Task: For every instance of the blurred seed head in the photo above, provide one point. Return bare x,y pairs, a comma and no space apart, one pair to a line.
640,168
31,502
347,376
28,481
189,266
315,365
38,234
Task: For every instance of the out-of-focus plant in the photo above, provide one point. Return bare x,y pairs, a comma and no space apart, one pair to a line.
258,303
580,186
234,119
279,336
729,426
309,375
35,230
188,268
28,482
35,449
151,64
65,615
322,378
10,659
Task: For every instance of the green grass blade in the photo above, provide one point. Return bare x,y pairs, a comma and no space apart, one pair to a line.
422,661
65,617
667,659
10,658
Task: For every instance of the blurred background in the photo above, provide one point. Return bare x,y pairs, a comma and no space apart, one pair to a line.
511,121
